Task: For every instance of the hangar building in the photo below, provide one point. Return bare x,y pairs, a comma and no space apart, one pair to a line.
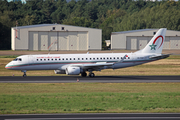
55,37
138,39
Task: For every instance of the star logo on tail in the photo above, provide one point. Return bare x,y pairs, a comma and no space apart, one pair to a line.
153,46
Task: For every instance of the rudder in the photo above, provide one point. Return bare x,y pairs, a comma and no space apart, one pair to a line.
156,43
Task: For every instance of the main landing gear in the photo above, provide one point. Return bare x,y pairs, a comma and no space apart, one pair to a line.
24,75
91,74
84,74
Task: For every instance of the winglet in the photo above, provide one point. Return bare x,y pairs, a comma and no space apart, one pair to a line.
120,61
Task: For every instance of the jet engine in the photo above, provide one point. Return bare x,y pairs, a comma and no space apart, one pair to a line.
60,71
73,70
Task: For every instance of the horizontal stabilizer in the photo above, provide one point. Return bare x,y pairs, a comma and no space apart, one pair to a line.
160,57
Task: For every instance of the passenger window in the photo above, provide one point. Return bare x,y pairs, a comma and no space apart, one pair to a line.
59,59
101,58
117,57
82,58
114,58
107,58
69,58
55,59
44,59
93,58
86,58
97,58
48,59
121,58
37,59
66,58
63,59
78,58
41,59
90,58
104,58
20,59
74,59
51,59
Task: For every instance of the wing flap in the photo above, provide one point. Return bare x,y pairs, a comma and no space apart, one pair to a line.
93,66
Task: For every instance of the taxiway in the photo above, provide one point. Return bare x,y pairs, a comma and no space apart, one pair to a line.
99,79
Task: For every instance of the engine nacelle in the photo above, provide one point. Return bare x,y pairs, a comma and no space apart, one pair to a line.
60,71
73,70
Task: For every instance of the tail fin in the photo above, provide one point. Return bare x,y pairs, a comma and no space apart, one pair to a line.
156,43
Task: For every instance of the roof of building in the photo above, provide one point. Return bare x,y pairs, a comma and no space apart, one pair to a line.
44,25
141,30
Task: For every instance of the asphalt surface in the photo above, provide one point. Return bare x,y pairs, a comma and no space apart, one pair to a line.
101,79
101,116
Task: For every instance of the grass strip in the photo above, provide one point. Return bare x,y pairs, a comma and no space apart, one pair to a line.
16,98
9,56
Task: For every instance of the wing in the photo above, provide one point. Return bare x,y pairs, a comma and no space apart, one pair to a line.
95,66
98,65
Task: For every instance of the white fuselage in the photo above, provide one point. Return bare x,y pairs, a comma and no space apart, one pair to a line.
62,61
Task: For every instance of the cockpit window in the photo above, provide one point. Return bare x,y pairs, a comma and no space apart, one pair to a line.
17,59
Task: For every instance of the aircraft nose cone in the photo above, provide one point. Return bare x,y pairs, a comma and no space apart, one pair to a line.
7,66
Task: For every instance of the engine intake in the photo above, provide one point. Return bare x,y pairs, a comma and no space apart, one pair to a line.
73,70
60,71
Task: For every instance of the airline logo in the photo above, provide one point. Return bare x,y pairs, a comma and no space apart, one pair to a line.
153,46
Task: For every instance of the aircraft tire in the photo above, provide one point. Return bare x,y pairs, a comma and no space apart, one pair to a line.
24,75
84,74
91,75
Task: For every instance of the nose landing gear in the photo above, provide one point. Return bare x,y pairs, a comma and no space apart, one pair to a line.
24,75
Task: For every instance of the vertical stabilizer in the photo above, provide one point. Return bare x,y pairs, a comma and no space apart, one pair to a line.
156,43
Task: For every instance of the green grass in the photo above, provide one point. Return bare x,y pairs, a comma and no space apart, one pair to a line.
9,56
174,57
26,98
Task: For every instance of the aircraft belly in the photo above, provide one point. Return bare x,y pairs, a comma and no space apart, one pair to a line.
41,67
122,65
56,67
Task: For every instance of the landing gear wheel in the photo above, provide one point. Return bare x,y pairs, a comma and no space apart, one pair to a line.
24,75
91,74
84,74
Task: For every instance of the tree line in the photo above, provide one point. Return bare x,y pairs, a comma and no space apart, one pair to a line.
108,15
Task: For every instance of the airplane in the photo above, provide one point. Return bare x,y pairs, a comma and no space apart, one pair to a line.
75,64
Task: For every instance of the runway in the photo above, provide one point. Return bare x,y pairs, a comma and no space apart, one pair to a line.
96,116
99,79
